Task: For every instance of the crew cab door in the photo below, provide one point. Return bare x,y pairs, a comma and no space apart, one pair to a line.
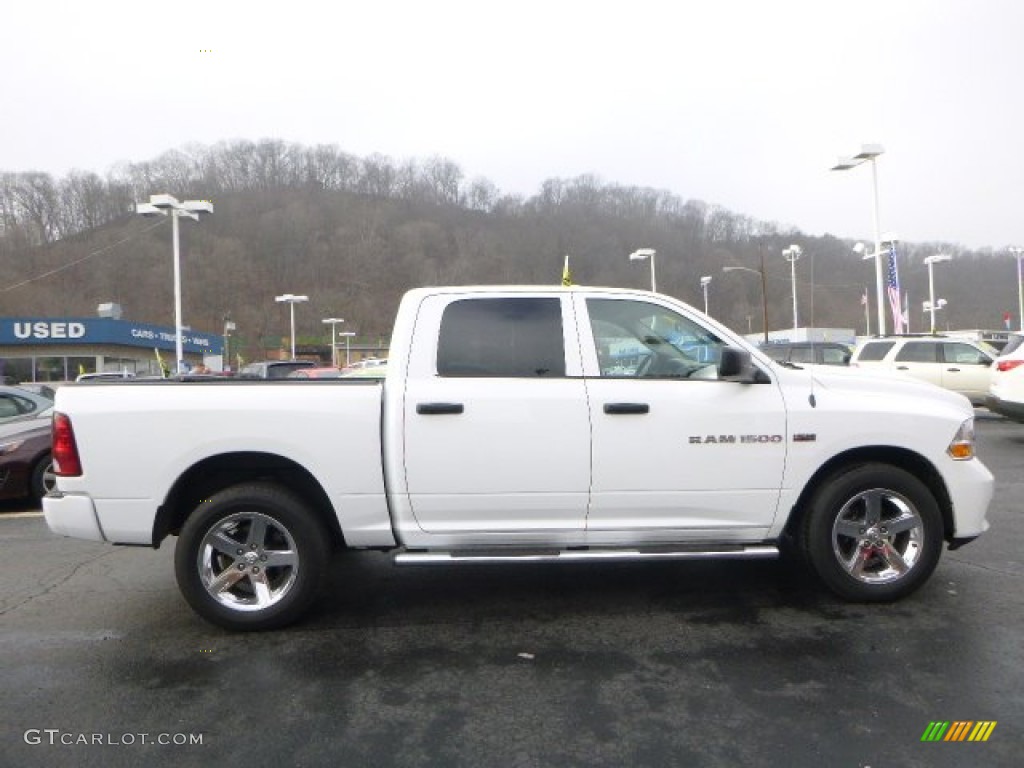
673,446
497,432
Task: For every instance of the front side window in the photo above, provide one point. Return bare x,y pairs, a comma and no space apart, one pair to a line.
918,352
636,339
505,337
834,356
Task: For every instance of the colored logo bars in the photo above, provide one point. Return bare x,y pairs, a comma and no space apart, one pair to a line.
959,730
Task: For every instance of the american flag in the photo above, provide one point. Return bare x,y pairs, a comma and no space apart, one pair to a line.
893,289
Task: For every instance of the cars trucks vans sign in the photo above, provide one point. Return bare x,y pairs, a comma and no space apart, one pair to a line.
101,330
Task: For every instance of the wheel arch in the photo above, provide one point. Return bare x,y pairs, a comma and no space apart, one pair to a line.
215,473
912,462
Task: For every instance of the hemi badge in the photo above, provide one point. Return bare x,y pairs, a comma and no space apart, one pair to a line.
804,437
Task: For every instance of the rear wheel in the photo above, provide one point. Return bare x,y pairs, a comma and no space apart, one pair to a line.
43,479
873,533
251,557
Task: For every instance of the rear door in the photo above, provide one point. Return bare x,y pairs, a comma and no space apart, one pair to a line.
497,426
919,359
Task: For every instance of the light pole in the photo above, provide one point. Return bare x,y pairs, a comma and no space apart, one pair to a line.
704,282
1019,252
334,344
871,152
791,254
646,253
931,261
164,205
348,335
764,293
291,299
229,326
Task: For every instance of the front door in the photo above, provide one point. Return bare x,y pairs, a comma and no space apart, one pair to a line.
674,448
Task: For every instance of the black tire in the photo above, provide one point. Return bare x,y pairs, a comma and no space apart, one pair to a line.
43,479
252,557
873,533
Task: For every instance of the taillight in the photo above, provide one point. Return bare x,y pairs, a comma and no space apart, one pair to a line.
65,450
1007,365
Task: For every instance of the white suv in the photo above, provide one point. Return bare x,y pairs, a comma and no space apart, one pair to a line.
956,364
1006,393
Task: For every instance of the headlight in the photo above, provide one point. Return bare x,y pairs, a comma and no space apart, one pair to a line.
962,446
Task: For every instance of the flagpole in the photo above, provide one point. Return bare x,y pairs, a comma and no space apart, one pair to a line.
867,312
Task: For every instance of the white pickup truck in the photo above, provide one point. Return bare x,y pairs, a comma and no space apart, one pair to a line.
523,424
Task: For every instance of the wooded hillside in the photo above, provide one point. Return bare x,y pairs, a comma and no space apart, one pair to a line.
354,233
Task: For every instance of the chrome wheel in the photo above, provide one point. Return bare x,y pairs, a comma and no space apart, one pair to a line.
49,478
878,536
248,561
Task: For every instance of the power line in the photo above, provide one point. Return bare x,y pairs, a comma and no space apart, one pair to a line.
84,258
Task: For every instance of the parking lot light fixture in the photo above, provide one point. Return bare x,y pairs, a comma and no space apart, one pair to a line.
931,261
870,153
1019,253
348,335
791,255
764,292
167,205
291,299
704,283
646,253
333,321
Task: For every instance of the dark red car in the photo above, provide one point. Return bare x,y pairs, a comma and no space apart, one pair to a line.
26,470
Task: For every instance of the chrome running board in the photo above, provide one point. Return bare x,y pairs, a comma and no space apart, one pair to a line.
447,557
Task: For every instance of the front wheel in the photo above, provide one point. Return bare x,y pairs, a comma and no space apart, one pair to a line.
873,533
251,557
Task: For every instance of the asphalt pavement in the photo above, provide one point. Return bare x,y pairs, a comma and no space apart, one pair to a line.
663,664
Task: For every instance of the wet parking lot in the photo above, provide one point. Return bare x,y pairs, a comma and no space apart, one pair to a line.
717,664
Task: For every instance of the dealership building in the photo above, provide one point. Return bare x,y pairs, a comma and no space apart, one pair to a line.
59,349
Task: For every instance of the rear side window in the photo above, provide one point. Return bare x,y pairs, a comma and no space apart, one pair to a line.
507,337
875,350
918,352
802,355
834,356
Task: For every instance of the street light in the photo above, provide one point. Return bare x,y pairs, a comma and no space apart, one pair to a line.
871,152
704,282
164,205
791,254
334,344
931,261
229,326
348,335
1019,252
764,293
646,253
291,299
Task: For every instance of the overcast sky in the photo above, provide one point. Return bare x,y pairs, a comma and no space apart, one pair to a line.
740,103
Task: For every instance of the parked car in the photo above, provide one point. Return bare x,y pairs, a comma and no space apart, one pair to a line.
809,352
273,369
330,372
371,368
26,470
956,364
1006,390
18,404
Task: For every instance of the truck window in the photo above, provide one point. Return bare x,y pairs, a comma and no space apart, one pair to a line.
636,339
506,337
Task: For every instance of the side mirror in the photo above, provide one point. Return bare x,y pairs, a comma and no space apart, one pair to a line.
735,365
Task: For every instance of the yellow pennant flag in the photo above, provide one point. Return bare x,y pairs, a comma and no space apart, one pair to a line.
566,274
164,370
